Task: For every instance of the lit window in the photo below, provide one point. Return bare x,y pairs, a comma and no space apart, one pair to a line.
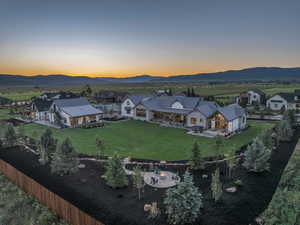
193,120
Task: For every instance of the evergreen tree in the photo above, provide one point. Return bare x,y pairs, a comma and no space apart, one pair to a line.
88,90
183,202
216,186
10,136
115,174
257,157
284,130
231,162
100,147
196,161
193,93
267,139
188,94
47,146
138,180
290,116
64,160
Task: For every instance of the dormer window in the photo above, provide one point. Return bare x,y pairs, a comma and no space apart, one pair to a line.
127,103
177,105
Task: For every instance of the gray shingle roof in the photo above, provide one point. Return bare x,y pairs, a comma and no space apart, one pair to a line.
71,102
258,91
42,105
231,112
136,99
289,97
207,108
83,110
76,107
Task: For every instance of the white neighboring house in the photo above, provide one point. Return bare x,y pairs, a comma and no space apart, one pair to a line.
282,101
252,96
180,111
74,112
40,109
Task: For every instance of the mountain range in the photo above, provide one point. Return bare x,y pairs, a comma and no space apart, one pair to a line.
264,74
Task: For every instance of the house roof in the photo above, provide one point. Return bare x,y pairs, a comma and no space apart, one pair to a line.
231,112
207,108
76,107
136,99
81,110
71,102
289,97
258,91
42,105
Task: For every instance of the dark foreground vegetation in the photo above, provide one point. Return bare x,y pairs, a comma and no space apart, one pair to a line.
17,208
90,193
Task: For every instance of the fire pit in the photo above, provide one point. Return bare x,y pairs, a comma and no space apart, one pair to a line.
162,176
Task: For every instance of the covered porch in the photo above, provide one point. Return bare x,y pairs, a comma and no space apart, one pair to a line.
169,118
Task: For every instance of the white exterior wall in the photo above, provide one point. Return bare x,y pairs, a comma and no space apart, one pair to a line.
127,103
277,105
253,97
201,119
233,125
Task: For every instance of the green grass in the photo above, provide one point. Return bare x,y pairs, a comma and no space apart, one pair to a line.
143,140
4,114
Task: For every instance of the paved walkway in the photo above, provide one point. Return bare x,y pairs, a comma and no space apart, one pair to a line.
164,179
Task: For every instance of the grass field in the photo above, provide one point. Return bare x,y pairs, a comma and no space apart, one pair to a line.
4,114
26,93
143,140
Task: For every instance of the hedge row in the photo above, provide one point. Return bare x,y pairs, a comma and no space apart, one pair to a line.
284,208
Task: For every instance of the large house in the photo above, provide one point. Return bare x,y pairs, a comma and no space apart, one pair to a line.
40,109
283,101
74,112
186,112
252,96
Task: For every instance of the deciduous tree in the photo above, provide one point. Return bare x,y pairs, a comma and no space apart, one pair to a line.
138,180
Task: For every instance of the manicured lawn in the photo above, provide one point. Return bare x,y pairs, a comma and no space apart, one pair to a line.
149,141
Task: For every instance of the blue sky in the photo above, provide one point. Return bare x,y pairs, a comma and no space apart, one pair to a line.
162,37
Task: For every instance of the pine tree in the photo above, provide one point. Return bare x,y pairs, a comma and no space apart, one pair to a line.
138,180
196,161
188,94
216,186
257,157
267,139
284,130
100,147
193,93
10,135
47,146
231,162
115,174
64,160
183,202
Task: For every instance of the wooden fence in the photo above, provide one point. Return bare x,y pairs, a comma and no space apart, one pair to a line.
61,207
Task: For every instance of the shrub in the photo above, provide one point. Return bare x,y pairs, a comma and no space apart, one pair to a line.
183,202
284,130
10,136
257,157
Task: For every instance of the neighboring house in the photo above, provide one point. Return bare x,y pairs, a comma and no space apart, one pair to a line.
283,101
252,96
112,110
57,95
74,112
40,109
183,111
110,96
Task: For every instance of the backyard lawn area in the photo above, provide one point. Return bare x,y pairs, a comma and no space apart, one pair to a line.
4,114
144,140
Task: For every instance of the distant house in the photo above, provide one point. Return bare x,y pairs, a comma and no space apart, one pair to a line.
252,96
74,112
186,112
58,95
40,109
110,96
283,101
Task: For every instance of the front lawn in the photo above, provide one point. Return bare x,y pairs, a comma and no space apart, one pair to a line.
4,114
148,141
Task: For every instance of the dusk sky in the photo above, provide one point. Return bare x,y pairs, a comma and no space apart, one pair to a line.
157,37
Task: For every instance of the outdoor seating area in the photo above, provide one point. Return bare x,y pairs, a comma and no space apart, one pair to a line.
161,179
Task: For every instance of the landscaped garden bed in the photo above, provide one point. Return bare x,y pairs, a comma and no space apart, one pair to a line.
88,191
